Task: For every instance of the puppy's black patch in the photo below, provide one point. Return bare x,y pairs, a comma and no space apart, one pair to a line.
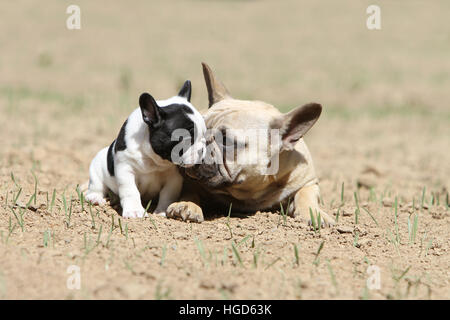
117,145
110,159
172,117
120,141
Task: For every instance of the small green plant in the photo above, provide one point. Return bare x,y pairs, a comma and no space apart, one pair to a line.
64,201
447,203
113,225
52,203
148,205
338,213
332,276
283,212
160,293
401,276
16,197
110,231
357,210
392,239
19,217
128,266
33,197
10,230
224,256
69,215
316,220
236,254
397,234
256,254
228,221
372,195
126,231
412,228
80,197
355,239
202,252
150,216
47,238
435,199
88,246
429,244
316,259
92,216
99,235
14,180
423,197
163,255
272,263
120,226
244,240
297,260
373,218
35,187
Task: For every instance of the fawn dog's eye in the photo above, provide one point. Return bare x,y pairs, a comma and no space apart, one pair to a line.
230,141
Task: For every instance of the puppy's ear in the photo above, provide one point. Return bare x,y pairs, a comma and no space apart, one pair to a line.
216,89
296,123
149,109
185,91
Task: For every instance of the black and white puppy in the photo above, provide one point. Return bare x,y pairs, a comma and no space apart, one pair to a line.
142,160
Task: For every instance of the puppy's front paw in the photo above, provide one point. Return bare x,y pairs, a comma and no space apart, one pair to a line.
134,213
304,215
95,198
187,211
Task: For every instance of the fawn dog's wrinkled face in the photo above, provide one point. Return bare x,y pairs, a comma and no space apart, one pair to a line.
245,140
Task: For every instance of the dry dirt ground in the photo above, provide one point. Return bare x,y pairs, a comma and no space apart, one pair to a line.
383,137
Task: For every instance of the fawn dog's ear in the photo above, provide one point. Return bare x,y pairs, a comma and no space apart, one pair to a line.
296,123
185,91
216,89
149,109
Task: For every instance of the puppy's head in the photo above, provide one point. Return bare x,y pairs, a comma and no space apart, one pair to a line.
176,128
246,141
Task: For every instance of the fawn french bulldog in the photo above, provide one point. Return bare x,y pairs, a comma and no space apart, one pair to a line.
248,185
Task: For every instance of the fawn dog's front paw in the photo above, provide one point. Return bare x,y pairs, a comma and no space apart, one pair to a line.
187,211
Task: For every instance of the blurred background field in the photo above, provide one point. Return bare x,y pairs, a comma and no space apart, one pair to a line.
66,87
386,94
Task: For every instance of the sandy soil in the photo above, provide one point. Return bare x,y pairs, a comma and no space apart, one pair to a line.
384,135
